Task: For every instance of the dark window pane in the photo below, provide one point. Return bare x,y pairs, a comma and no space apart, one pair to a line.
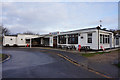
89,37
117,41
62,39
108,39
27,40
101,38
73,39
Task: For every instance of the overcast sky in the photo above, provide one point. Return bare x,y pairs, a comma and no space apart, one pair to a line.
45,17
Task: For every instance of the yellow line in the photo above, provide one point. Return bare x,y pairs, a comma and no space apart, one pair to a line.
70,60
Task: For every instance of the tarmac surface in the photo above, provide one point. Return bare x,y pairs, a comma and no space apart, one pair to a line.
41,63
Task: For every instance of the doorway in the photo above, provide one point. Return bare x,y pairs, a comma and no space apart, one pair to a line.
55,41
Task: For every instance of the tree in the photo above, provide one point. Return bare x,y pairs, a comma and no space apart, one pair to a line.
117,31
4,31
30,33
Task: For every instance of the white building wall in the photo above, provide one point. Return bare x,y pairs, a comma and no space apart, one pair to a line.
115,42
42,42
84,41
7,40
94,44
24,37
51,41
111,43
17,39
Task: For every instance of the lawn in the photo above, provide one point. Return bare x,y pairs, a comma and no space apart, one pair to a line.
118,64
93,54
0,55
3,56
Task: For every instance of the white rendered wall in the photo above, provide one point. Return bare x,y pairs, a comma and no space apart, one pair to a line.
7,40
115,43
106,45
19,41
84,41
51,41
24,37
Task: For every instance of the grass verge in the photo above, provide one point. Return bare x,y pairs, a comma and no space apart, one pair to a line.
118,65
3,56
93,54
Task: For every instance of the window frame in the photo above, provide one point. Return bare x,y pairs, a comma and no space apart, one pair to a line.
72,38
117,41
104,39
62,39
27,42
89,37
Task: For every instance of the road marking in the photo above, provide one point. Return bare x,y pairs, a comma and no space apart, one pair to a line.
77,64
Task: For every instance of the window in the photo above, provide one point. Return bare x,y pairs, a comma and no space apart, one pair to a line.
73,39
89,37
108,39
62,39
81,37
21,39
105,39
101,38
117,41
27,41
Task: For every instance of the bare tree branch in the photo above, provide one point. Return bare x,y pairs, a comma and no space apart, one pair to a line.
30,33
4,31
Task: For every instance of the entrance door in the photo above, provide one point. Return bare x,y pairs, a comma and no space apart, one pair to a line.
55,41
46,41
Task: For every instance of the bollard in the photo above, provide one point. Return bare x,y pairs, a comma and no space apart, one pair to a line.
27,45
102,48
79,47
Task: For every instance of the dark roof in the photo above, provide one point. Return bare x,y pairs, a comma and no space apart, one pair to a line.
106,30
11,35
27,34
79,30
36,38
86,29
117,35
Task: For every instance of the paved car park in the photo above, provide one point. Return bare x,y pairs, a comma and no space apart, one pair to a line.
40,63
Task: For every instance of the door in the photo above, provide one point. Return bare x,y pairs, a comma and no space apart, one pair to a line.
55,41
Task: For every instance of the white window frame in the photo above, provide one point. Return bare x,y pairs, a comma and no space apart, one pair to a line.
89,37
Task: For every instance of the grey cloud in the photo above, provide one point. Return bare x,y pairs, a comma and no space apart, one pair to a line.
47,17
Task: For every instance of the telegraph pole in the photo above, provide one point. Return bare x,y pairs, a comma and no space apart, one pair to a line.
98,27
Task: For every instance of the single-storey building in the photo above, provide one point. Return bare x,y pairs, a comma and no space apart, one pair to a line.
17,40
93,38
117,40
